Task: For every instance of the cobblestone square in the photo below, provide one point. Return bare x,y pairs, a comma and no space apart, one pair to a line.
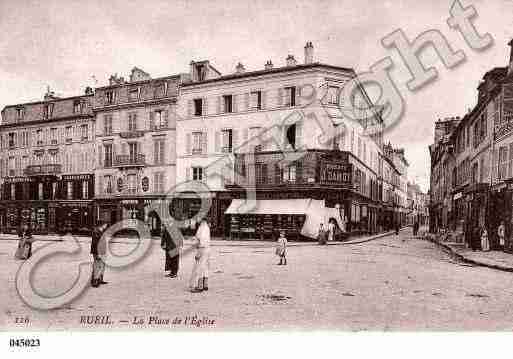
391,283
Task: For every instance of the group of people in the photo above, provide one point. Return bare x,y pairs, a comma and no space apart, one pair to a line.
480,238
326,234
172,250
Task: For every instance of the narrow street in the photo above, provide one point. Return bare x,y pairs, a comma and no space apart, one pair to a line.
392,283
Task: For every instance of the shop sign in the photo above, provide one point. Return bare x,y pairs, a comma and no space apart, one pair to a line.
18,179
76,177
145,184
336,173
129,201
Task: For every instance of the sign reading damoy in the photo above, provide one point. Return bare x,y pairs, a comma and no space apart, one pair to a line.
336,173
76,177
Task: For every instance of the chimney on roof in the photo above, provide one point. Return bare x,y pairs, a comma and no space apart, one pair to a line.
510,65
89,90
309,52
268,65
291,61
239,69
49,95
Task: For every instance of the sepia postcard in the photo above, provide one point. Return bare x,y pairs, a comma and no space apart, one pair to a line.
192,166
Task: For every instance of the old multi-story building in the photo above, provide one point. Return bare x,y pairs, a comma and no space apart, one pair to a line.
442,165
278,135
135,141
46,164
473,151
400,181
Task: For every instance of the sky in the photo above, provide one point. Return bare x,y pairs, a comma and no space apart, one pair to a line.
69,44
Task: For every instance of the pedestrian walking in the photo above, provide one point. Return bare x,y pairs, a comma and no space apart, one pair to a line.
24,250
281,249
331,230
200,270
172,252
397,228
501,232
323,235
415,228
99,251
485,243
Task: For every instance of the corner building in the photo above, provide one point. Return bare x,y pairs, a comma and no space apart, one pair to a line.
268,127
46,165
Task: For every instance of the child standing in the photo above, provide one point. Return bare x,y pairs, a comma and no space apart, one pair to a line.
281,249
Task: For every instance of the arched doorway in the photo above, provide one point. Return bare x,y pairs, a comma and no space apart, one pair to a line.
155,223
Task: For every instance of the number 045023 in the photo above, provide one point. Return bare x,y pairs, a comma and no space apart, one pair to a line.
27,342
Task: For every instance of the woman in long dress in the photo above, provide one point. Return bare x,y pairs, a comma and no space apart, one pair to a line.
485,243
24,250
199,276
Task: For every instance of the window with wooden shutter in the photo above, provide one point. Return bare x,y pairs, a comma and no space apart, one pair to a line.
190,108
152,120
235,141
204,107
218,141
264,100
188,144
281,93
246,102
204,145
235,103
219,109
165,121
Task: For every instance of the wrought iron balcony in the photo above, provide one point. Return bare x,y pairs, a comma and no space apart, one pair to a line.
129,161
41,170
131,134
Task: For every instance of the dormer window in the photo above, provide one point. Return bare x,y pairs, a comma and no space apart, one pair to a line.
109,97
201,72
19,113
161,90
48,110
77,106
133,94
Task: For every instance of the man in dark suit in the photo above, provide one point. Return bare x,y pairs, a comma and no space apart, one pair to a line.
98,250
172,252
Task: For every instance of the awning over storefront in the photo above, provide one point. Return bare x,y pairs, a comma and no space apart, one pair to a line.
314,210
269,206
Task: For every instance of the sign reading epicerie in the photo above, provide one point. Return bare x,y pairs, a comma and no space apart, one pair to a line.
336,173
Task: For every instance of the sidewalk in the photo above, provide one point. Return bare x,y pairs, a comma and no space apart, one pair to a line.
216,241
493,259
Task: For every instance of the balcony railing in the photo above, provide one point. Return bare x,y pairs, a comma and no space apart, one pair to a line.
312,168
129,161
131,134
40,170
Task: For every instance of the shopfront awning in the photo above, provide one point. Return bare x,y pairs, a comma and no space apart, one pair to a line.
314,210
269,206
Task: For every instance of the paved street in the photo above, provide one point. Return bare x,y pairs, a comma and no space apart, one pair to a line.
385,284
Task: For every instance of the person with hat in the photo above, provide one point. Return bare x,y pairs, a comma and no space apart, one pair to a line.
281,248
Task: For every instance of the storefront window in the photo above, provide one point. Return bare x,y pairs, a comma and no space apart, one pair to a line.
69,190
85,190
40,191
